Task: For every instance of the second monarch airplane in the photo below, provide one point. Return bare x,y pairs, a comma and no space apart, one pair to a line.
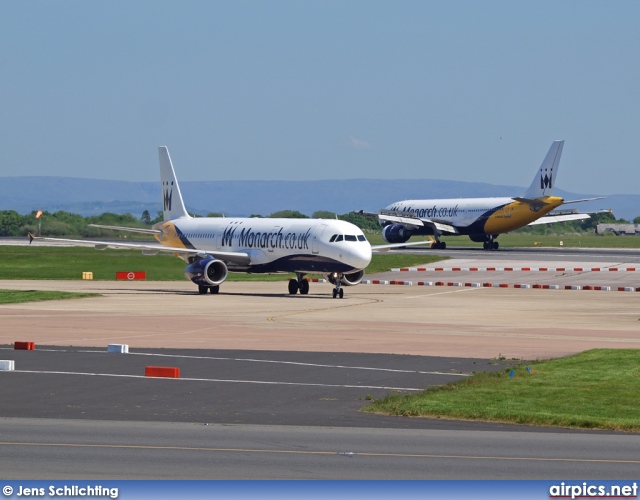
482,219
212,247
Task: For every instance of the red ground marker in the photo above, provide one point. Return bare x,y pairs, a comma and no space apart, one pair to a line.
24,346
162,371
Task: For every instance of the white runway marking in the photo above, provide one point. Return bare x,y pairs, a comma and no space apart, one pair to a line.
45,372
250,360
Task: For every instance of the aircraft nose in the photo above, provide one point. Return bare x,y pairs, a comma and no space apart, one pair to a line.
360,255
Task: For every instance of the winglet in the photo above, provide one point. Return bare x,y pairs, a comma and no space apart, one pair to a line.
542,184
172,204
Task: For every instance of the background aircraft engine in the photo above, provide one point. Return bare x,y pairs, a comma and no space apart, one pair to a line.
350,279
207,271
395,233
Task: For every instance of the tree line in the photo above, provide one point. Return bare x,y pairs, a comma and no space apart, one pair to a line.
65,224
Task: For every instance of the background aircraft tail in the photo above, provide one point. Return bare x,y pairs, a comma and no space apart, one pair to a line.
172,204
542,184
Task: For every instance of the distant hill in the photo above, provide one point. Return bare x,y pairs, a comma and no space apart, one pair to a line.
243,198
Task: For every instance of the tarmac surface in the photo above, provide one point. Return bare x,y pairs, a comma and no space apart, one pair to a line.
255,355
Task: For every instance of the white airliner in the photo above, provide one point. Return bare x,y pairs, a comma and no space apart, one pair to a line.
482,219
213,246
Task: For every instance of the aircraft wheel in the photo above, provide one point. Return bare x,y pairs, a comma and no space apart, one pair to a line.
214,289
335,293
202,290
496,245
485,245
443,245
304,287
341,293
293,286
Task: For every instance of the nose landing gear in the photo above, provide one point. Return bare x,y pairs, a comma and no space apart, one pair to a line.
338,291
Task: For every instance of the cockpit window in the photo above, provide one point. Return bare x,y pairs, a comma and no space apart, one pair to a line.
361,237
339,238
333,238
350,237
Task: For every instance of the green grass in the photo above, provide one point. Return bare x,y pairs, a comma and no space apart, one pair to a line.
521,239
597,389
17,296
381,262
68,263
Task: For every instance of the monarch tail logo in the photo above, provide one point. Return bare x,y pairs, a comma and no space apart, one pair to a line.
545,181
167,199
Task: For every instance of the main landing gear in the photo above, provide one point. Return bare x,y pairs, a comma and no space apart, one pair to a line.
202,289
491,243
301,283
438,245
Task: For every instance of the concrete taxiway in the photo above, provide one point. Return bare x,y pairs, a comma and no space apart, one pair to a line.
301,367
428,321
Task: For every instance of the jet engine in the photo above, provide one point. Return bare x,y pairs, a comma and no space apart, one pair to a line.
395,233
207,271
349,279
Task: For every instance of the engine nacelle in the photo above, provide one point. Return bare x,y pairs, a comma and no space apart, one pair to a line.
350,279
395,233
207,271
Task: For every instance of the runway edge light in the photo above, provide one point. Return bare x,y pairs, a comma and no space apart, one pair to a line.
120,348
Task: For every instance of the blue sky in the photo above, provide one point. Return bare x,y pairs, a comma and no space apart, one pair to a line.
253,90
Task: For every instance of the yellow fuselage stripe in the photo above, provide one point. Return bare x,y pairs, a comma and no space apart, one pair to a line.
518,214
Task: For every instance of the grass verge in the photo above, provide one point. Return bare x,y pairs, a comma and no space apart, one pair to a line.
17,296
530,240
68,263
596,389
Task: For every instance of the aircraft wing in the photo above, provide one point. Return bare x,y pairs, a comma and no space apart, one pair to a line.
439,226
240,258
384,248
567,215
442,226
405,221
550,219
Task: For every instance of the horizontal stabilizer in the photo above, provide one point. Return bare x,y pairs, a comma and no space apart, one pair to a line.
130,229
535,204
581,201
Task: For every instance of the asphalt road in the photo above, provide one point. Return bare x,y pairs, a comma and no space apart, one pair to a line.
94,449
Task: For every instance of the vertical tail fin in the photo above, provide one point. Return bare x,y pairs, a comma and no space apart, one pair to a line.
542,184
172,204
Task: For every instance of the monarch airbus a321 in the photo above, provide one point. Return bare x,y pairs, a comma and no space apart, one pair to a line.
212,247
482,219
